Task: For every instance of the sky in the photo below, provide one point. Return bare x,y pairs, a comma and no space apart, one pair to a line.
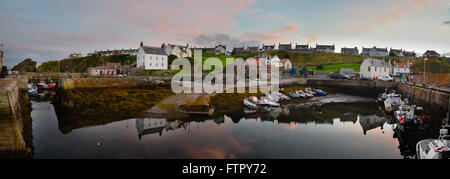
52,29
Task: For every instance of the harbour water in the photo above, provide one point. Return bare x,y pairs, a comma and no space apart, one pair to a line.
334,130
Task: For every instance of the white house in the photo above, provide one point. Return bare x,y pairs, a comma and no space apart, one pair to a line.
152,58
177,50
286,64
150,126
374,68
273,61
401,68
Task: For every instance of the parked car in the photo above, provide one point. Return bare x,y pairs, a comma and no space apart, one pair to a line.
365,79
338,76
386,78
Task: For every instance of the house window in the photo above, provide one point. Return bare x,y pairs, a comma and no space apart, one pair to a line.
368,68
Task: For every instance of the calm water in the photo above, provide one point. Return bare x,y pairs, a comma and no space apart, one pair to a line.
357,130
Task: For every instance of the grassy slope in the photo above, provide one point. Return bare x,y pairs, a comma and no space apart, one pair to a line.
79,65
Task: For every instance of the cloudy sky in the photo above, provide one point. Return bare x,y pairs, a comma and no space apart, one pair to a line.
51,29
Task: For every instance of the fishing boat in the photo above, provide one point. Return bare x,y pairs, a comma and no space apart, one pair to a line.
435,148
393,102
272,97
309,95
43,85
32,89
408,118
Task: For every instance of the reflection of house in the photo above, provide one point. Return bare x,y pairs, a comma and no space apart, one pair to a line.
370,122
146,126
150,126
152,58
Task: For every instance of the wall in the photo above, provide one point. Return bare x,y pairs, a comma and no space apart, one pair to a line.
15,121
70,83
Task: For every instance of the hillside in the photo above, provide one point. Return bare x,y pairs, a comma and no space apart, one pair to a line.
314,59
81,64
28,65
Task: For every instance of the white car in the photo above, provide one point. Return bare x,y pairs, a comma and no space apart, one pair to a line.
386,78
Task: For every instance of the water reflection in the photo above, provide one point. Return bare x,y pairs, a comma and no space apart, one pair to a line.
353,130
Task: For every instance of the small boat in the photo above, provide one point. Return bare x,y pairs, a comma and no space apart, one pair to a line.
309,95
282,96
272,97
382,97
267,102
308,90
295,95
320,92
43,85
393,102
33,90
250,104
409,120
435,148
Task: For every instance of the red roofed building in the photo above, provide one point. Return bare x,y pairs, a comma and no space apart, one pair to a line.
401,68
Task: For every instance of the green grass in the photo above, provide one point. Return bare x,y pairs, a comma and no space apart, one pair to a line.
337,67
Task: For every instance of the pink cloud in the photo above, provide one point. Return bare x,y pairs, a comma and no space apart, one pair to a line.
279,34
371,15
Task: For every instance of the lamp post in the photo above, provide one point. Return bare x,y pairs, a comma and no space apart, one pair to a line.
424,71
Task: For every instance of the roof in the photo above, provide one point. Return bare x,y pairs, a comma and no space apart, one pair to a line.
376,62
400,65
301,46
284,61
376,49
347,71
253,62
324,46
432,52
154,50
269,45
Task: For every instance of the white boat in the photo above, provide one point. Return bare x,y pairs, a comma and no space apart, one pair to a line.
393,102
436,148
408,118
266,101
250,104
272,97
308,90
281,96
